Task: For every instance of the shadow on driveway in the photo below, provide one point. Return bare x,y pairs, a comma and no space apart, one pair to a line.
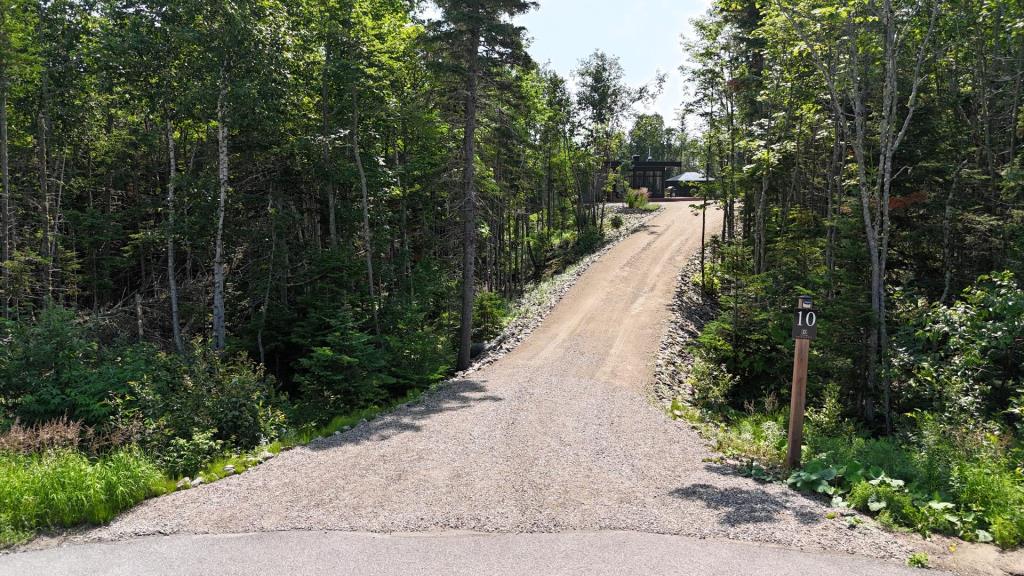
457,395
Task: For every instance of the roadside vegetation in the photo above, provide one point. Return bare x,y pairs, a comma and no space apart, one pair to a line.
96,428
853,168
953,464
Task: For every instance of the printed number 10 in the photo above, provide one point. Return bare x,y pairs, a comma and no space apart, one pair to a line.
806,318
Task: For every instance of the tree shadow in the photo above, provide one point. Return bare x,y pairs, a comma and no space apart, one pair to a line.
451,396
749,505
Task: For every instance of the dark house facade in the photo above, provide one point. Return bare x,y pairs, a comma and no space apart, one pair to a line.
651,174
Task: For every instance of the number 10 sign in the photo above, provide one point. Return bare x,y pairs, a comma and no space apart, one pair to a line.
805,323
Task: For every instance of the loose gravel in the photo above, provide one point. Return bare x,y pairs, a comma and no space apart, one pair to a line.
557,436
541,297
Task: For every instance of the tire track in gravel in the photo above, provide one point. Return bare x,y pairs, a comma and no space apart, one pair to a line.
556,436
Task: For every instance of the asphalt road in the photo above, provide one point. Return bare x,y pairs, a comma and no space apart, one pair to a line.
452,554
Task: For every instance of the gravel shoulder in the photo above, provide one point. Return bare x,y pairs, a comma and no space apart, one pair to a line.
557,436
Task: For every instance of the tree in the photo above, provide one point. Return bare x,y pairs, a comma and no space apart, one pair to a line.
478,36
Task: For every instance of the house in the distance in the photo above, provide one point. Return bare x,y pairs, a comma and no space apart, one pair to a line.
687,184
651,174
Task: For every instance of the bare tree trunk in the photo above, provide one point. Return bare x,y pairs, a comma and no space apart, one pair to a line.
219,333
270,279
332,223
947,236
140,327
7,238
469,205
367,236
44,193
172,280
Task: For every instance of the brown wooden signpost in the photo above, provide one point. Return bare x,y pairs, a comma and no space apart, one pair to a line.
805,329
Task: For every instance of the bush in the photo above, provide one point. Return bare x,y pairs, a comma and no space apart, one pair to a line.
490,313
186,456
616,221
230,396
48,369
344,372
64,488
637,199
710,384
588,241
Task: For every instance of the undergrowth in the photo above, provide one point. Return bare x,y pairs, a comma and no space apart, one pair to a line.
63,488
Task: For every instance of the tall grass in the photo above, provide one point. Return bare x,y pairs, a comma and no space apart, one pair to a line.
63,488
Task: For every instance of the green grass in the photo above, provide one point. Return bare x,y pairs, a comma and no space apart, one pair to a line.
65,488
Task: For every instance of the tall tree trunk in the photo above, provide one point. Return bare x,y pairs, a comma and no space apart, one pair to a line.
44,195
332,223
219,335
172,280
367,236
469,204
6,225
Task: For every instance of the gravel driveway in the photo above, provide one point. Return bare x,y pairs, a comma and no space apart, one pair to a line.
556,436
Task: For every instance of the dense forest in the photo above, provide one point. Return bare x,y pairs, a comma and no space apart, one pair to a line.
224,221
867,154
229,223
307,187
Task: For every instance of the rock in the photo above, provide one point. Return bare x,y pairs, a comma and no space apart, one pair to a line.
346,428
197,482
337,432
185,482
229,469
265,455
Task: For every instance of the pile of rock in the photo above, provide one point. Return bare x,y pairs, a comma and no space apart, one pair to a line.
691,310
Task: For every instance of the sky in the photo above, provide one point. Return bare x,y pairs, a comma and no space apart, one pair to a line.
644,34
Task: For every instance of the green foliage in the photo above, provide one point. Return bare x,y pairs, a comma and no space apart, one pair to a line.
588,241
710,383
184,456
51,368
64,488
637,199
964,360
490,312
345,371
616,221
918,560
228,396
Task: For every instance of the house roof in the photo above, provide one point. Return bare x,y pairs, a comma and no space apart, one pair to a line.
689,177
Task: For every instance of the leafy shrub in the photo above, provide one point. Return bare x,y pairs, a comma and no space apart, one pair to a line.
184,456
637,199
963,360
588,241
616,221
64,488
886,495
710,384
828,420
231,396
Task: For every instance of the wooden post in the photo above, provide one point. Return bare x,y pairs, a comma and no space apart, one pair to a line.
804,329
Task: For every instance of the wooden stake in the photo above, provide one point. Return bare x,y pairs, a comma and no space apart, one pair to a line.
804,329
796,405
